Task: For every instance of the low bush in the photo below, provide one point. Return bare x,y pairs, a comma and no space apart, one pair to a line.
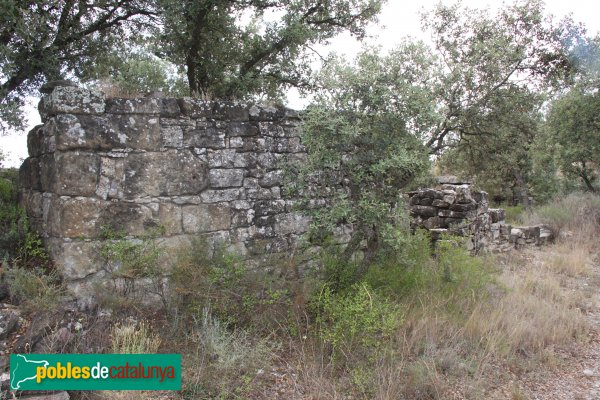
34,289
205,276
220,362
357,322
576,216
133,271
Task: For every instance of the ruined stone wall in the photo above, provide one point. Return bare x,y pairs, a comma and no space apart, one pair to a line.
188,166
456,208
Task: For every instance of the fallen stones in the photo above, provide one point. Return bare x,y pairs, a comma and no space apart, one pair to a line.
456,208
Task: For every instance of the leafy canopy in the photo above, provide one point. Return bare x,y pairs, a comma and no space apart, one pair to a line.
47,40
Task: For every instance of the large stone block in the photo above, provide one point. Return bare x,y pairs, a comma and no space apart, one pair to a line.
169,216
205,135
196,108
269,207
84,217
169,107
266,113
172,136
73,217
266,246
169,173
424,211
72,100
111,178
206,218
32,202
35,141
231,111
295,223
72,173
75,259
89,132
30,174
237,128
144,105
224,178
227,158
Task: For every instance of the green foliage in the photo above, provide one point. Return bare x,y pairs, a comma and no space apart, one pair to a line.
128,263
404,271
514,213
360,157
12,220
260,56
131,74
356,320
19,245
458,273
45,40
574,134
479,79
34,289
213,277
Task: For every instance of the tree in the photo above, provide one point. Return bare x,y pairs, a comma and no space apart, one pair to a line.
226,48
224,57
485,56
574,131
46,40
361,152
500,156
480,88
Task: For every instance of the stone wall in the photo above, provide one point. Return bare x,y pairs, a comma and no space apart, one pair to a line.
456,208
188,166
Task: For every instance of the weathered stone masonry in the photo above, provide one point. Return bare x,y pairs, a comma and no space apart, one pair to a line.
189,166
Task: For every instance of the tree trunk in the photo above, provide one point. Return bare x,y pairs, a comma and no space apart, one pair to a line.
521,188
588,182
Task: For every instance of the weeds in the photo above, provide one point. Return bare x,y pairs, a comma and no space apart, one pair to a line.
132,338
130,263
223,363
34,289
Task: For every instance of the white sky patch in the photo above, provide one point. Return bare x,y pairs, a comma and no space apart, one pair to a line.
397,20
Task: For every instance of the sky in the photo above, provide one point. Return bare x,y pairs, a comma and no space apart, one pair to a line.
398,19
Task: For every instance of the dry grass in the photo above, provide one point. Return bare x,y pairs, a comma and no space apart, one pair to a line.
458,344
570,259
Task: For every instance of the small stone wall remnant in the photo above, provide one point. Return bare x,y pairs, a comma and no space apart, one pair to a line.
456,208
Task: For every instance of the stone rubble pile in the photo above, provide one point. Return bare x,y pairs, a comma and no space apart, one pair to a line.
456,208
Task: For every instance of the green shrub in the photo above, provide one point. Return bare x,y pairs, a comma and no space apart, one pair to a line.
214,277
404,270
132,267
514,214
460,274
357,322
